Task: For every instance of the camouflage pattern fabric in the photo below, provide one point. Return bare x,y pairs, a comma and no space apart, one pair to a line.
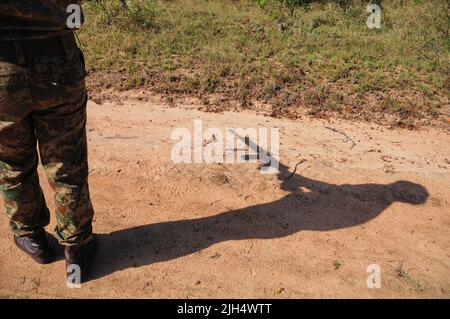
27,19
44,102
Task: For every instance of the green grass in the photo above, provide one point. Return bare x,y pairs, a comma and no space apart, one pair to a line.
319,56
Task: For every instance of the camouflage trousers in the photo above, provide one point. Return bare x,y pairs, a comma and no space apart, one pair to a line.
43,102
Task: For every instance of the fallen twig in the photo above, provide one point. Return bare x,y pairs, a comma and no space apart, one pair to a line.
346,139
295,169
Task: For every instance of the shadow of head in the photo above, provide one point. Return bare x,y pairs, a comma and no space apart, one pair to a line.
408,192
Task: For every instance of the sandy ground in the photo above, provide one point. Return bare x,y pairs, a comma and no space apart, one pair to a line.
226,230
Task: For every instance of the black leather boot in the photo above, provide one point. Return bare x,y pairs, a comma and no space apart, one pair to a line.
81,256
37,247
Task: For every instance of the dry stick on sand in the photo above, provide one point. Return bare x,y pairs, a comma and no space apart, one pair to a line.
295,169
346,139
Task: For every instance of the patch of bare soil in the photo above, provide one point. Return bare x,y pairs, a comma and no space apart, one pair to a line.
226,230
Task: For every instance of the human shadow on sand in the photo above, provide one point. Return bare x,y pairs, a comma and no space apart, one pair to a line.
309,205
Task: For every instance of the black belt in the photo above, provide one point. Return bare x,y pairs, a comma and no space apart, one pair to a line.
33,48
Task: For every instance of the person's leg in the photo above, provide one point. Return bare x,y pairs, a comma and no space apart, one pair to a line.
59,119
19,183
61,133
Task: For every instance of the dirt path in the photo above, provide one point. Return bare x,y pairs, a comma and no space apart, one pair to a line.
199,230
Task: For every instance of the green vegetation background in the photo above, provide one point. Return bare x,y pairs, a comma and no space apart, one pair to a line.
294,54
